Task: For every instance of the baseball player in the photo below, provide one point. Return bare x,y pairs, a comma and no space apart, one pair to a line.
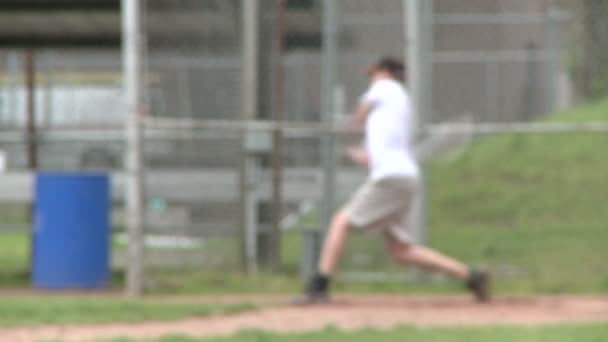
383,203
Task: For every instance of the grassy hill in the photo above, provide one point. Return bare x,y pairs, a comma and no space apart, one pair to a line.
533,207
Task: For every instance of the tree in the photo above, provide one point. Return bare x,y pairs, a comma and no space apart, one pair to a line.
591,73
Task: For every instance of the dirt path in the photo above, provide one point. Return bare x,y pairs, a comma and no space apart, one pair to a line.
347,313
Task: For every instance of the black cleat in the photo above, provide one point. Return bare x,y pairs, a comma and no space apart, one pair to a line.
479,284
316,292
310,298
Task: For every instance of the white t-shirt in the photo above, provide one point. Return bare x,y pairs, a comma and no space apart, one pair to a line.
388,131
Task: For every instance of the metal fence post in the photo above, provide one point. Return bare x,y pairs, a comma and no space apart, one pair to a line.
249,102
418,16
30,110
31,135
13,72
134,197
278,143
328,69
553,68
312,240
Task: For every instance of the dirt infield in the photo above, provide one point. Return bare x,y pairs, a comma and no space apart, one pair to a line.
346,312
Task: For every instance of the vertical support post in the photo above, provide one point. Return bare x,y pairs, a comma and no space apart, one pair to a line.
529,97
13,66
134,196
492,92
30,126
249,103
277,153
427,37
2,96
183,83
418,31
328,81
552,70
48,91
412,54
30,133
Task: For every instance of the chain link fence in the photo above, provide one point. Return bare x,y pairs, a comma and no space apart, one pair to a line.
500,61
74,124
491,62
210,171
73,91
506,198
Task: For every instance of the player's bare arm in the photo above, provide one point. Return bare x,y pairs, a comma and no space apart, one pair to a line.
359,156
359,116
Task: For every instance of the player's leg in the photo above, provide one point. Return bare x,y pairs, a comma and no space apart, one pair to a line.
407,253
334,243
357,213
427,258
400,243
403,248
333,247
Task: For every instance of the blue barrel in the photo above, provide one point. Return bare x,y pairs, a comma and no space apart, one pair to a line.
71,231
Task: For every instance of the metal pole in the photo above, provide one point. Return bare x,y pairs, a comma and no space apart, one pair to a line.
552,63
30,80
30,133
492,91
3,116
411,53
328,81
426,104
418,22
134,196
13,66
249,98
427,33
277,155
48,92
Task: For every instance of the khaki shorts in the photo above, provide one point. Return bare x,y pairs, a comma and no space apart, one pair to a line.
384,206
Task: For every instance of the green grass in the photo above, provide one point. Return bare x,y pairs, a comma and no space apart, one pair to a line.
13,213
20,311
13,258
582,333
218,282
533,206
